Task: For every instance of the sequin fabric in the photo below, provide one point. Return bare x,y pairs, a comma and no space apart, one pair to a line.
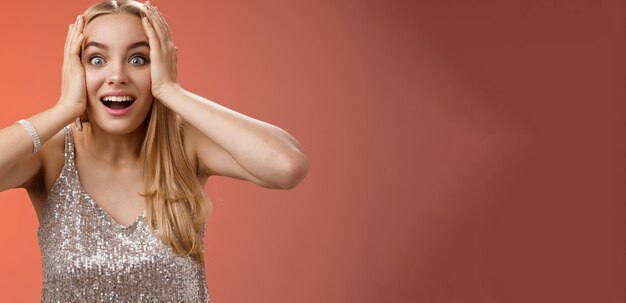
89,257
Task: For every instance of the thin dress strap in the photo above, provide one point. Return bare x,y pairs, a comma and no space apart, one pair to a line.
69,146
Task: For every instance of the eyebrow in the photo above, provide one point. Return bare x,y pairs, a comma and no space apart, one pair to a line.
102,46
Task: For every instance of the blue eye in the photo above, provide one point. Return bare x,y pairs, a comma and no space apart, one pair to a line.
138,60
96,60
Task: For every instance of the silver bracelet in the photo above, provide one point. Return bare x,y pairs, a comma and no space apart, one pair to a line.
33,133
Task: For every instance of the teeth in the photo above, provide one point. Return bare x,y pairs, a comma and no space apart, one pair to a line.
118,98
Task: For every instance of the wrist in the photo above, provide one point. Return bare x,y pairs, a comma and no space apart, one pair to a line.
69,112
165,91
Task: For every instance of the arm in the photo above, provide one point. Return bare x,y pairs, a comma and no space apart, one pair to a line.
224,141
19,166
228,143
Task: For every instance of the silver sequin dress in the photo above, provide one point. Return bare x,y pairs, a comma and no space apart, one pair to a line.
89,257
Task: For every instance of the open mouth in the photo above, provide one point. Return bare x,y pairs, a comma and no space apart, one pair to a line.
117,102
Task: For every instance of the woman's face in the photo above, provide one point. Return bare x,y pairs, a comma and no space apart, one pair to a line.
116,58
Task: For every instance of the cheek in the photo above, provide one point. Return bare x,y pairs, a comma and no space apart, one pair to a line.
93,78
92,82
142,81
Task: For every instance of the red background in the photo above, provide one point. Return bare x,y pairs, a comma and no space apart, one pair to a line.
460,151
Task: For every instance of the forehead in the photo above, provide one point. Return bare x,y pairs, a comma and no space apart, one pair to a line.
114,29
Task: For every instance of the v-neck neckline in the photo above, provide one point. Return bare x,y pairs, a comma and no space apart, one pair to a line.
93,201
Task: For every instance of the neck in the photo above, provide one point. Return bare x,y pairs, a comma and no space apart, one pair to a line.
117,150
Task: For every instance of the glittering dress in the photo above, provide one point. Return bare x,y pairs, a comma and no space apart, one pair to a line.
89,257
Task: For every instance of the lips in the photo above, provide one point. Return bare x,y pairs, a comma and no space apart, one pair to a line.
117,100
117,103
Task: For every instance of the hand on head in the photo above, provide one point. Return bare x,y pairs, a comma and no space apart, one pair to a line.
162,61
162,50
73,89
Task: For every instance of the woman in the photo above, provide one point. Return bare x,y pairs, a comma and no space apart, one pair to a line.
120,195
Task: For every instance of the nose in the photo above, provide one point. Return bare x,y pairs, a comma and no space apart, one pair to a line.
117,75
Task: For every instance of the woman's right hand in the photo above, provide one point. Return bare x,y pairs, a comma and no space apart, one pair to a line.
73,88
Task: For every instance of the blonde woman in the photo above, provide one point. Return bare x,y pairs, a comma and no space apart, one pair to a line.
119,195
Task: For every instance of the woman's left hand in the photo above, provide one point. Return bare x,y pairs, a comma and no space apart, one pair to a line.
162,50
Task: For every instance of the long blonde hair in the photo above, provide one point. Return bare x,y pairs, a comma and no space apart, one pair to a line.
176,206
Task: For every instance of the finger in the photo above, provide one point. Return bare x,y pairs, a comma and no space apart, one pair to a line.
157,27
69,40
153,39
81,23
73,34
79,33
165,27
77,29
70,31
78,43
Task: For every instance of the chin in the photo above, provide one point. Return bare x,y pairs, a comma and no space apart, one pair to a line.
117,126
